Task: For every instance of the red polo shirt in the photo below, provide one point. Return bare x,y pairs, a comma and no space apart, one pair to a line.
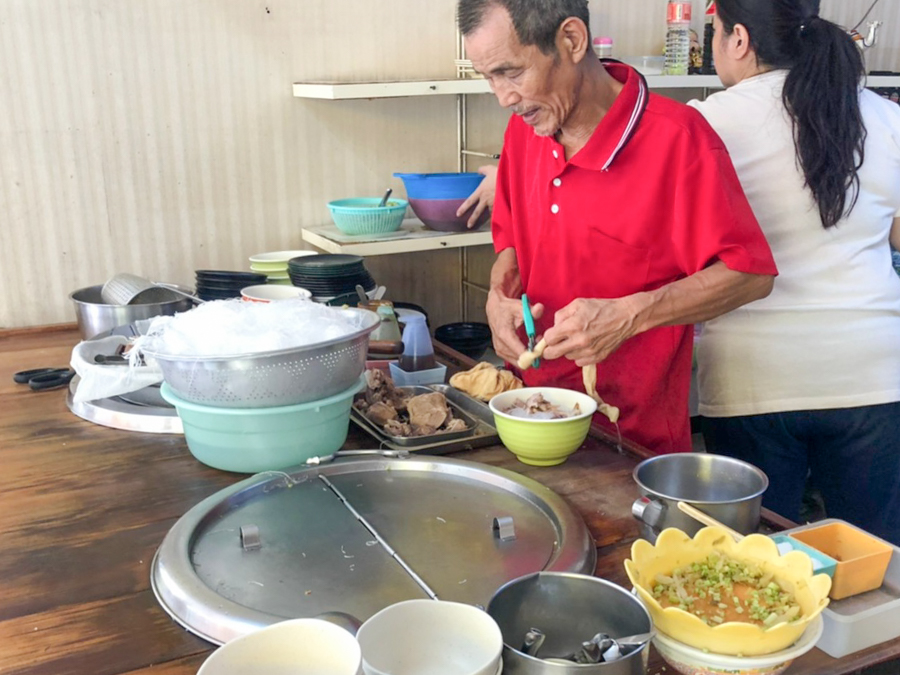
651,198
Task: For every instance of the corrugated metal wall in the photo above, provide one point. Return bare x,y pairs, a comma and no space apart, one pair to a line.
160,136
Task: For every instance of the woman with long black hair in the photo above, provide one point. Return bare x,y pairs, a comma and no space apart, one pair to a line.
806,382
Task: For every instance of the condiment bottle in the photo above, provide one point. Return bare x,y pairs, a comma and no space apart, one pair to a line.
418,352
603,47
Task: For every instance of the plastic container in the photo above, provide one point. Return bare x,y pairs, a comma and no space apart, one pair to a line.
418,351
403,378
678,38
440,185
436,197
822,564
862,559
364,216
861,621
603,47
249,440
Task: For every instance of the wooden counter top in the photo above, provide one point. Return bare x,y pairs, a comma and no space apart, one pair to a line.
84,507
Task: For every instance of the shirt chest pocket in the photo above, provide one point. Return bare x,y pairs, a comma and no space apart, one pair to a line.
617,269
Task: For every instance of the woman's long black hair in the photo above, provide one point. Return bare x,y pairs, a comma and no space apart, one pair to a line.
821,92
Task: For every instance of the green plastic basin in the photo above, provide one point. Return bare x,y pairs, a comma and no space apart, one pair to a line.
250,440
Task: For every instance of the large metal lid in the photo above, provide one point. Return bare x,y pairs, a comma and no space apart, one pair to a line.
357,535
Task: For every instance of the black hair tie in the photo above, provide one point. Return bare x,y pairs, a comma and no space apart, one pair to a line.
804,25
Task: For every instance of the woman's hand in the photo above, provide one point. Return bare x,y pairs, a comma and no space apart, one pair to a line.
483,197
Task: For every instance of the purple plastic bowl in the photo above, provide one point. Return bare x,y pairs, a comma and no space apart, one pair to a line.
440,214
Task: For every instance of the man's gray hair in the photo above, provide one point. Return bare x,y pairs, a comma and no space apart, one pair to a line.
535,21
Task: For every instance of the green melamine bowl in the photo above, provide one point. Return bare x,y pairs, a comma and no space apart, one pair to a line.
543,442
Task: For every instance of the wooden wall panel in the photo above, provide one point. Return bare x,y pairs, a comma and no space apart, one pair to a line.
160,136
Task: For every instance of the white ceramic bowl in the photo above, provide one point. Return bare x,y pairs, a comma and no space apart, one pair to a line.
270,292
430,637
294,647
692,661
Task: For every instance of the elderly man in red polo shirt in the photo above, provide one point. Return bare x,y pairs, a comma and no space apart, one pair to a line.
617,211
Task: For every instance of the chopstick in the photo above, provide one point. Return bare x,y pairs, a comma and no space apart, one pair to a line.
698,515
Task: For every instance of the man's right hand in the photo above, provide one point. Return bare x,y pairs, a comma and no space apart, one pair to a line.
505,318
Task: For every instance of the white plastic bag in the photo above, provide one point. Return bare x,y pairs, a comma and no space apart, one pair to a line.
105,380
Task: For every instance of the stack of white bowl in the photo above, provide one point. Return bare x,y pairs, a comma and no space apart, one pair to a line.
275,265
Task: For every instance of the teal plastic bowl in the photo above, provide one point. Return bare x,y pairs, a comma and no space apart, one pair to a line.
250,440
364,216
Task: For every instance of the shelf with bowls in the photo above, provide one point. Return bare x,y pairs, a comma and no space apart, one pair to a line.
412,236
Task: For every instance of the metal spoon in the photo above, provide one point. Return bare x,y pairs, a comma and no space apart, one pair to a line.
387,193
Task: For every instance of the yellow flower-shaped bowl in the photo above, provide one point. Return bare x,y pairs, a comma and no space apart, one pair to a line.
793,571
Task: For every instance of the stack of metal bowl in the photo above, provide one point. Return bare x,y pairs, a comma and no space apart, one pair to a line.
95,316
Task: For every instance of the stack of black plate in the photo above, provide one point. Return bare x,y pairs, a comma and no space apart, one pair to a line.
221,285
329,276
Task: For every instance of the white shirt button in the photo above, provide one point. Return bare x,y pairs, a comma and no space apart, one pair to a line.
555,155
554,208
557,182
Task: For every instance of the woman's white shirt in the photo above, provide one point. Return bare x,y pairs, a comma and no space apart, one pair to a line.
828,336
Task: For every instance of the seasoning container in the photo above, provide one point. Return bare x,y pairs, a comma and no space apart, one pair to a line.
603,47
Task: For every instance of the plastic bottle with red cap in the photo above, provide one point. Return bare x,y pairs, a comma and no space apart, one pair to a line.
603,47
678,37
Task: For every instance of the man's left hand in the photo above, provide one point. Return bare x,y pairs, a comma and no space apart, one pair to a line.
588,330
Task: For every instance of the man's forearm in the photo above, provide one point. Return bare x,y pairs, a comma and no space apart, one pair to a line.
505,278
699,297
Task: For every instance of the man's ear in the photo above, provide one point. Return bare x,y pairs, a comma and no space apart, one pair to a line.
572,39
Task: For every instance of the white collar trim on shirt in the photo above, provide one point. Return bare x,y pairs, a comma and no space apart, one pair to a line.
638,110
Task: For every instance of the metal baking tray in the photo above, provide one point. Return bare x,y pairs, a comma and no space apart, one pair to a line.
478,418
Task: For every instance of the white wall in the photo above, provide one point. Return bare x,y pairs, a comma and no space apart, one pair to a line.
160,136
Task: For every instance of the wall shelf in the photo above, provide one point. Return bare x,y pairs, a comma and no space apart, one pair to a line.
356,90
362,90
412,236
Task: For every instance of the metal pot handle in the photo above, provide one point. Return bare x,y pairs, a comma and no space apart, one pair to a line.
648,511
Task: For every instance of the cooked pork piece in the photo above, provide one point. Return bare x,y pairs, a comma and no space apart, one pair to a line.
428,410
380,413
397,428
455,424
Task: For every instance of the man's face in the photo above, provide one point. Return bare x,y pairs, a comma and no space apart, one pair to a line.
538,87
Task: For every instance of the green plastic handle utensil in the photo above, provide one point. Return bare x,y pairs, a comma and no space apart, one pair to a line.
529,326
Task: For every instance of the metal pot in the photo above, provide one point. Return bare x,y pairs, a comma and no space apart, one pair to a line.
570,609
727,489
95,317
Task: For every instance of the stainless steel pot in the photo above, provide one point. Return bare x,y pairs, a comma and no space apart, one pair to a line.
569,609
727,489
95,317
